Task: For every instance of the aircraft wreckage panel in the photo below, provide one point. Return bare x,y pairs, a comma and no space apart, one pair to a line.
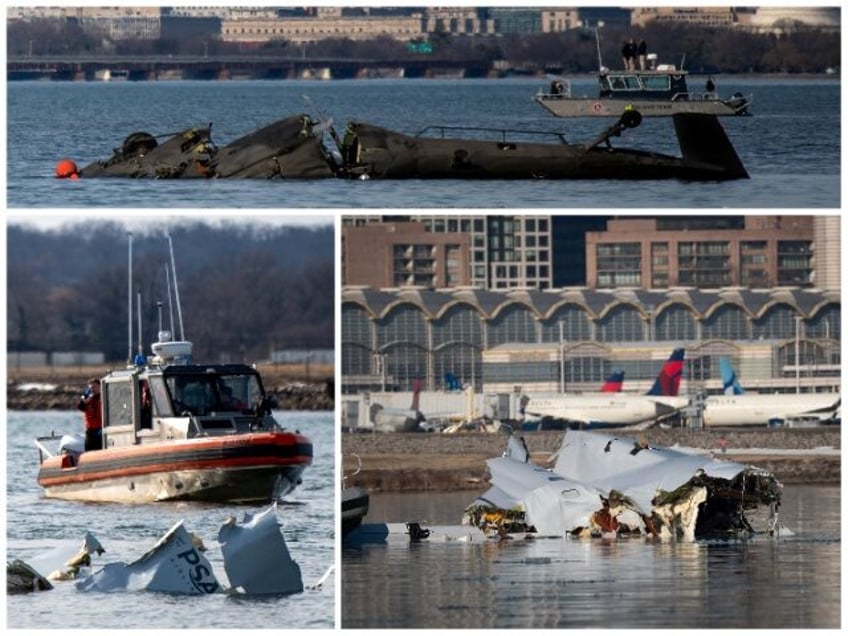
603,484
256,560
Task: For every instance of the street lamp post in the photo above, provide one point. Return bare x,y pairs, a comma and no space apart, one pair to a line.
798,354
380,364
561,357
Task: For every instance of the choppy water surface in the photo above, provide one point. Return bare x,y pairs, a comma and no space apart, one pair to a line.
35,524
791,146
791,582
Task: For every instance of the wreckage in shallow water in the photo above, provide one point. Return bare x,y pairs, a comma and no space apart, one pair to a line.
256,561
603,485
375,152
288,148
297,147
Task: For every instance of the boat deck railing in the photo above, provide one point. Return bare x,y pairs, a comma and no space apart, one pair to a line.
355,472
502,132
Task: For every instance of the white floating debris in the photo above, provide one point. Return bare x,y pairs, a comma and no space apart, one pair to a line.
256,558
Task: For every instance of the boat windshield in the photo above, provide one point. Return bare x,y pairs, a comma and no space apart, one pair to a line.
204,393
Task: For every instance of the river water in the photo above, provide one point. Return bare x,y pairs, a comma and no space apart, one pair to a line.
791,583
35,524
790,146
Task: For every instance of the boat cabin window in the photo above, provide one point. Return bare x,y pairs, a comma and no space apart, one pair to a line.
203,393
118,403
656,82
159,397
624,83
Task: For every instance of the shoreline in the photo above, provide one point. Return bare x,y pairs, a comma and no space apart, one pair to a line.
53,389
412,462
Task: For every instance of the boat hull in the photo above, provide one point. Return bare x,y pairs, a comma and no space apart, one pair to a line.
585,107
355,502
249,468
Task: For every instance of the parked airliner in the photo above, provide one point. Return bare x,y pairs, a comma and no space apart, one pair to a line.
394,420
738,408
607,410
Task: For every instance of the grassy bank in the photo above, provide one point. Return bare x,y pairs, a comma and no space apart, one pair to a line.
422,462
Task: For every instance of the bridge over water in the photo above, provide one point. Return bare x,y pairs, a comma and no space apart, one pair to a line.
143,68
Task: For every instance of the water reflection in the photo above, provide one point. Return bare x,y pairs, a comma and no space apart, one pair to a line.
793,581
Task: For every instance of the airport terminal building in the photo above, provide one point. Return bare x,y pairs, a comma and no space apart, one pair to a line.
531,340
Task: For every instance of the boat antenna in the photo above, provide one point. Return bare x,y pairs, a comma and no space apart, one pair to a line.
129,299
176,287
598,45
138,311
170,303
159,313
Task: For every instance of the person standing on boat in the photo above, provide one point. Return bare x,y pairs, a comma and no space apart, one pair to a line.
710,87
90,405
625,55
632,51
643,54
146,406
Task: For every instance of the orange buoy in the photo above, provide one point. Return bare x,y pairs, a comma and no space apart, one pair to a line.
66,169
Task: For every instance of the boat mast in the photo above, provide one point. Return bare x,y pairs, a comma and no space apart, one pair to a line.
176,287
170,302
129,300
598,45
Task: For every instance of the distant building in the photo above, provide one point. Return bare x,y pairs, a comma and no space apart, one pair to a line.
497,251
779,19
827,251
554,251
404,254
498,340
701,16
458,21
559,19
516,20
328,23
754,251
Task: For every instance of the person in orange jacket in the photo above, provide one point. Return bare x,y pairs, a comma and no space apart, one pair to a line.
90,405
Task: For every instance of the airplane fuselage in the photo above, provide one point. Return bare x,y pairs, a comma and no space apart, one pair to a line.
396,421
606,409
753,409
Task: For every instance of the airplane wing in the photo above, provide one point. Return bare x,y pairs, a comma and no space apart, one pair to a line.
672,402
821,413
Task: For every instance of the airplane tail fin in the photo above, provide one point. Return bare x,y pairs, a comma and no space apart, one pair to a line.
729,381
668,381
613,382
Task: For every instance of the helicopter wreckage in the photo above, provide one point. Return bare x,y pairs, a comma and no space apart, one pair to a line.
300,147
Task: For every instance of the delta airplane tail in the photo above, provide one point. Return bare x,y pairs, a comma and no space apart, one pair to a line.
668,381
613,383
729,381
